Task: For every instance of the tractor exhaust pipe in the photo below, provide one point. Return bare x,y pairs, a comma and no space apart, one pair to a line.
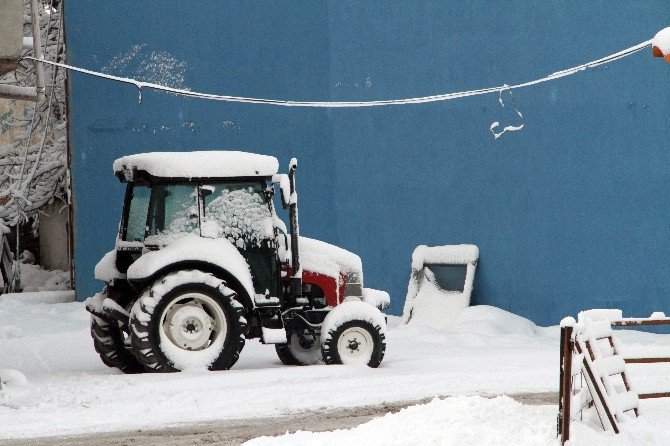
296,278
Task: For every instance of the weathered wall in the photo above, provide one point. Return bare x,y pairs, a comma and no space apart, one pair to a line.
11,29
571,212
53,236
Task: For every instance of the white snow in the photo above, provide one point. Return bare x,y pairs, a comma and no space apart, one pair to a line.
449,254
192,247
38,297
36,278
10,377
324,258
241,215
462,421
433,306
662,41
376,298
487,351
10,331
105,269
597,314
352,310
428,304
475,421
199,164
284,187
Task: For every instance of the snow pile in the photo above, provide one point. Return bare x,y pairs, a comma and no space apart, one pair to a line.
492,321
36,278
38,297
474,420
12,378
323,258
459,421
205,164
10,331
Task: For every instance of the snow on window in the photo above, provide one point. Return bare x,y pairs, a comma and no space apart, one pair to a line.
242,214
173,213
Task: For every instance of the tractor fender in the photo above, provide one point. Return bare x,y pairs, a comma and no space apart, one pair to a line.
213,255
106,269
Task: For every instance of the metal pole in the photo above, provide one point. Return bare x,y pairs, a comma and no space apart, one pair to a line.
296,278
37,44
566,382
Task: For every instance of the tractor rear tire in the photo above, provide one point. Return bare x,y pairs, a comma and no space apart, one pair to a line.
187,320
108,341
295,354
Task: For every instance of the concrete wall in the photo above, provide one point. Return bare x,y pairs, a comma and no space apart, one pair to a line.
53,236
570,213
11,29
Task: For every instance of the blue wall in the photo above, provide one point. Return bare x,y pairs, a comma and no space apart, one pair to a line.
572,212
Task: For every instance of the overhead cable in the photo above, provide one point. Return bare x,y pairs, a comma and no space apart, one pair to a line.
351,104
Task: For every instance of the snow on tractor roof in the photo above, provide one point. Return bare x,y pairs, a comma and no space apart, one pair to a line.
202,164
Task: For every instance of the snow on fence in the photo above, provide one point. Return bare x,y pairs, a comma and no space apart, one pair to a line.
590,350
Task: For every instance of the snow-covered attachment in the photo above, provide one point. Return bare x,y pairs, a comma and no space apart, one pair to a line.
440,285
204,164
660,44
590,349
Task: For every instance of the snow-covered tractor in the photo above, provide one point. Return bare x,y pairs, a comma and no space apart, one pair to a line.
202,263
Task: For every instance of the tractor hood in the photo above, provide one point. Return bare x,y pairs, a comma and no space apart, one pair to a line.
323,258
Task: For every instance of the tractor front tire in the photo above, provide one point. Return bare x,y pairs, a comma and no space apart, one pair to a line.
108,341
294,353
187,320
354,333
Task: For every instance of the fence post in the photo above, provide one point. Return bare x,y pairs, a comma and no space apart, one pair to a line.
565,384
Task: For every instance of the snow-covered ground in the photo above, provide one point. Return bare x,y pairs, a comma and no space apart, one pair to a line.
487,351
475,421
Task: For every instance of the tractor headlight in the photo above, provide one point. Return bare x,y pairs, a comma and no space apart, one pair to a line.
353,285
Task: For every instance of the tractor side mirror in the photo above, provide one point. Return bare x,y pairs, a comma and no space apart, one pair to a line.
284,187
206,191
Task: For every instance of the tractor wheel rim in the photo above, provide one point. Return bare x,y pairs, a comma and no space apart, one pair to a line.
306,356
193,321
355,346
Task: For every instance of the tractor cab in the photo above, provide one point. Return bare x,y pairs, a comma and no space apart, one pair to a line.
202,262
160,210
